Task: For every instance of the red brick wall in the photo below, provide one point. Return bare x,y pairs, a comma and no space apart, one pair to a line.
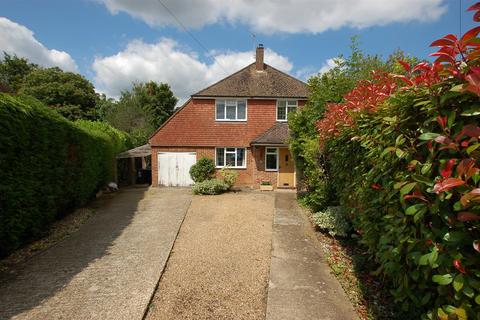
195,125
253,175
245,176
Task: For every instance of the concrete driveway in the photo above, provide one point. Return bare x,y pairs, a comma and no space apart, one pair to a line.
108,269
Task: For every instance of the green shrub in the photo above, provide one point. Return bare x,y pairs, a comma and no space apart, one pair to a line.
229,176
315,192
203,170
211,187
333,220
48,165
387,171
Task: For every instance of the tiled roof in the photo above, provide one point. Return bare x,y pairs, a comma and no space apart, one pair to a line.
276,135
248,82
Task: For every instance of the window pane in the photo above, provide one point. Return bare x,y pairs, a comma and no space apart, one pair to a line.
292,109
230,149
230,159
231,112
240,157
241,110
220,110
292,103
271,150
282,103
281,113
271,162
220,157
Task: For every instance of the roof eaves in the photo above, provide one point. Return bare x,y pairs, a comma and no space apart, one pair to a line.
275,144
213,96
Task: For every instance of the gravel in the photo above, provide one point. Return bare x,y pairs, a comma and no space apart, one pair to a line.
219,265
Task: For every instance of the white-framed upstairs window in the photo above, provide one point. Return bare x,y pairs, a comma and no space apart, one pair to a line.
284,107
271,159
230,110
231,157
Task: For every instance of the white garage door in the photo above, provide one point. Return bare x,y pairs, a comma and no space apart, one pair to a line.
174,167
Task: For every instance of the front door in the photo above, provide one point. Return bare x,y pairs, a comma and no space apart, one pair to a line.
286,170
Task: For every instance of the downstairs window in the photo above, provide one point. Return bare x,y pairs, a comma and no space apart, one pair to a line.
231,157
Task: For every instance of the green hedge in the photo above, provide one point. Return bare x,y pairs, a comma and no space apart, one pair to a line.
387,171
48,166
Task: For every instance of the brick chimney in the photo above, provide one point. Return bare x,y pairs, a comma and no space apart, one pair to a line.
259,58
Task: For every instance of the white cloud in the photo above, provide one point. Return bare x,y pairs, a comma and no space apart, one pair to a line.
19,40
328,65
309,71
166,61
290,16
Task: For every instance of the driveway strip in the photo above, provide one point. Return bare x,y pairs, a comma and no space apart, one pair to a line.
106,270
301,286
218,268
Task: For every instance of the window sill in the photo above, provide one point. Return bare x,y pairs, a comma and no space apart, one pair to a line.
271,170
282,120
228,167
217,120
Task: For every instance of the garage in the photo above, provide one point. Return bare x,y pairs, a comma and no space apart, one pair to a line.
174,167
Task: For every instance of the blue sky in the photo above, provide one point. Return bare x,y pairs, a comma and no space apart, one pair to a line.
116,42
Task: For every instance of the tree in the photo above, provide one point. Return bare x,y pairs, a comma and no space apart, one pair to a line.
157,100
330,87
141,110
128,115
69,93
103,105
13,71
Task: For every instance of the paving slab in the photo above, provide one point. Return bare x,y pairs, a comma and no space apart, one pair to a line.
108,269
301,286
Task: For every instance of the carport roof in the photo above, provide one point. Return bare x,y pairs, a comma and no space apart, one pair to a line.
137,152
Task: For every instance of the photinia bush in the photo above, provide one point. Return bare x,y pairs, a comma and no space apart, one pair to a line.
367,95
404,157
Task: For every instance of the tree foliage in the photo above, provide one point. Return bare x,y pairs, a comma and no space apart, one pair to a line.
13,71
103,105
128,115
141,110
329,88
157,100
69,93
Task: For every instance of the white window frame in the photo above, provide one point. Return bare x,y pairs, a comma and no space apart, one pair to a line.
286,108
244,166
270,153
236,110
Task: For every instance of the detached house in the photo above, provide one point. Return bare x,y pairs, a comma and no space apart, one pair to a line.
239,122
